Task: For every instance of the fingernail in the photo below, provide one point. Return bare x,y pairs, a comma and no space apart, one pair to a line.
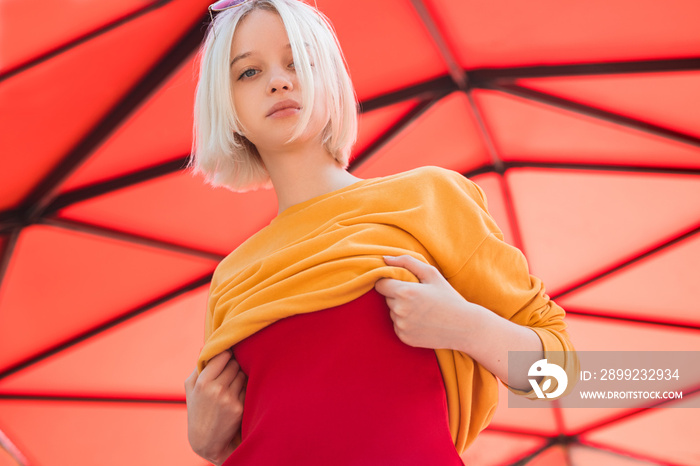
389,257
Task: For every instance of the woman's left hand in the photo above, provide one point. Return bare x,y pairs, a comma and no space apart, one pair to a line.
429,314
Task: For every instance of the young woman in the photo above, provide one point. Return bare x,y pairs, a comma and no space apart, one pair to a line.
369,321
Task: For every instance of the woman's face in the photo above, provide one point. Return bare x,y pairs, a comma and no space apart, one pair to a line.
263,76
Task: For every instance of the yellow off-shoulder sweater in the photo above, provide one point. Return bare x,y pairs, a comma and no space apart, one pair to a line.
328,251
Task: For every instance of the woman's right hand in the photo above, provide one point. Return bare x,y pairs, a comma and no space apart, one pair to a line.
215,407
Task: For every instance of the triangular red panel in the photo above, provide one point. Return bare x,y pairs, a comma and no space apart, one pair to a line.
514,33
588,455
51,293
493,186
669,100
553,456
369,39
493,448
662,434
154,134
66,433
147,356
520,419
445,135
180,209
59,98
598,334
375,123
610,217
656,288
531,131
44,34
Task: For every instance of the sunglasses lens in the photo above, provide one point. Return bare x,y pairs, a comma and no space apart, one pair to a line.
224,4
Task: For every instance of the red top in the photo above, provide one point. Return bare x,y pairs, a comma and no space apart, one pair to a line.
338,387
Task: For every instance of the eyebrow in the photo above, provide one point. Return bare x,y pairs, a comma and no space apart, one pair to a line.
247,54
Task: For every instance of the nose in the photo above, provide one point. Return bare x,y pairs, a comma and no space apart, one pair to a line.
280,80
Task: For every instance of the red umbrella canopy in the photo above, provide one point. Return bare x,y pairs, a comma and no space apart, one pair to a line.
579,120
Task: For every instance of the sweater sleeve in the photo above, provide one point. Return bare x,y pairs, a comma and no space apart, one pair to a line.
496,275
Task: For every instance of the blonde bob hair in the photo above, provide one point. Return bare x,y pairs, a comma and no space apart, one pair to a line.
219,150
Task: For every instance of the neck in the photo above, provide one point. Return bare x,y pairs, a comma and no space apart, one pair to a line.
302,173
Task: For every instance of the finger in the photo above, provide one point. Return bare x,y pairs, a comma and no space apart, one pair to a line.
241,396
425,273
215,366
191,380
384,286
238,381
229,373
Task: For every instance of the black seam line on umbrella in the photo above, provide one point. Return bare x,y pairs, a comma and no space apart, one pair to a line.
559,423
9,249
517,431
627,262
443,84
113,184
458,75
133,238
389,134
639,410
49,54
600,167
93,399
44,193
528,457
96,330
625,454
573,310
499,167
478,77
597,113
618,454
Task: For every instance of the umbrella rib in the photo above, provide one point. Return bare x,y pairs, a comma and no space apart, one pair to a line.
516,431
629,261
133,238
478,77
624,318
442,85
623,453
597,113
114,184
629,454
458,75
634,412
600,167
89,333
8,251
94,399
45,192
51,53
500,168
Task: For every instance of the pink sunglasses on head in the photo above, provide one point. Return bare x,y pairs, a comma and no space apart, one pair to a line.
222,5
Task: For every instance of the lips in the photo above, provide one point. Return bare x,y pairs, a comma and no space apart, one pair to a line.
282,105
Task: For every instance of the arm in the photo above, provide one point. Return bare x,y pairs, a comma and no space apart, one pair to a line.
514,313
215,400
432,314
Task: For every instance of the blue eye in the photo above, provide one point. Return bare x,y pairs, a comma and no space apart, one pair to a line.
249,73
